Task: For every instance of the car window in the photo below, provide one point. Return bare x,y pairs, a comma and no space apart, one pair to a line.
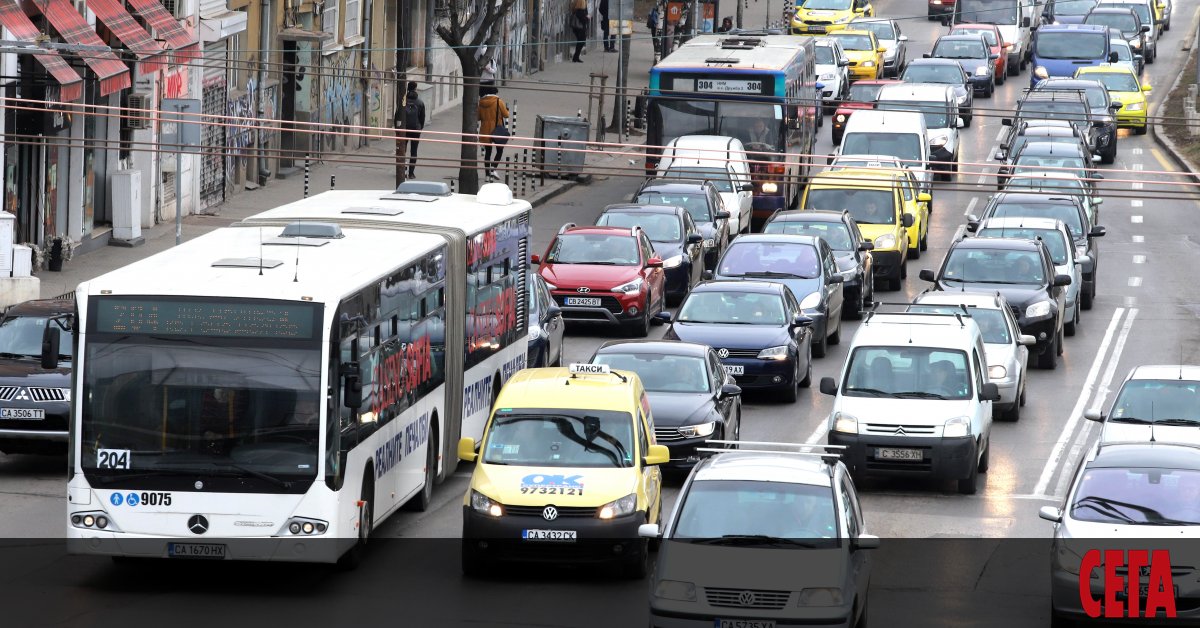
719,177
997,266
835,233
959,49
908,372
1068,213
647,249
979,380
716,371
1053,238
712,509
659,227
590,248
933,73
830,267
696,203
1137,496
556,437
661,373
825,56
746,258
1157,399
850,506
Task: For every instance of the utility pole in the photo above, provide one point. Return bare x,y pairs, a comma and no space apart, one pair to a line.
620,112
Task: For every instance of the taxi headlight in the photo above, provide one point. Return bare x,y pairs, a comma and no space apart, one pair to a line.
627,288
672,262
868,64
845,423
1135,106
885,241
983,69
774,353
483,504
820,597
769,188
956,427
842,20
997,371
619,508
811,302
1041,308
709,243
698,431
675,590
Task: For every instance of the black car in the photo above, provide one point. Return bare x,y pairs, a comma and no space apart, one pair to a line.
1071,157
691,396
1066,208
851,252
546,325
702,200
757,329
675,238
35,402
974,55
1020,270
1024,131
1103,111
1124,21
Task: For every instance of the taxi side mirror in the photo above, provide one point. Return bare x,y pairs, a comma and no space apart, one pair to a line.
1146,88
656,455
924,197
466,450
907,221
881,50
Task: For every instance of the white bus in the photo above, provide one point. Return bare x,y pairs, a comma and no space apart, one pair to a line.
295,378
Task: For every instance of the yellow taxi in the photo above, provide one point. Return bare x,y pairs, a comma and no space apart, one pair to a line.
876,202
817,17
864,51
1123,87
567,470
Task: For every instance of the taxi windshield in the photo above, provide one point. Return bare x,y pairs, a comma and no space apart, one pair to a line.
1138,496
750,513
555,437
855,42
826,5
1157,400
866,206
1018,267
658,227
834,233
751,259
597,249
1053,238
661,373
733,308
696,203
908,372
1115,81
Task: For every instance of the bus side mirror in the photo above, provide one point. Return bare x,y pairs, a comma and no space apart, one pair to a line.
351,386
50,345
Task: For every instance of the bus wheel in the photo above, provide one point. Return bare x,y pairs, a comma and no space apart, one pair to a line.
353,558
424,499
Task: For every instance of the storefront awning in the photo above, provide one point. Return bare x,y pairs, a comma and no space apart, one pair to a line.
185,47
17,23
71,26
150,53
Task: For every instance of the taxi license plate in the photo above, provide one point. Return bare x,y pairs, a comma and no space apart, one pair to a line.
816,29
585,301
548,535
898,454
195,550
743,623
735,369
28,414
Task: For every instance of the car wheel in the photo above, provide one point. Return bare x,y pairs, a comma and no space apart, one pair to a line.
1089,294
1013,414
473,564
987,451
967,121
1049,358
836,336
1142,130
789,394
1059,621
1070,328
990,90
636,567
970,484
1109,156
925,238
903,270
1150,58
914,252
641,327
1060,343
1014,69
807,381
819,347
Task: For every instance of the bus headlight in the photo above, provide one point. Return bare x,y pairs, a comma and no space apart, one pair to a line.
95,520
619,508
303,526
769,188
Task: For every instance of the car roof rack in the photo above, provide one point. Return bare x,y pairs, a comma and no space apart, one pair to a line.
875,307
831,454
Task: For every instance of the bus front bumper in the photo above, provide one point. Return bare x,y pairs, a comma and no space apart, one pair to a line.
312,549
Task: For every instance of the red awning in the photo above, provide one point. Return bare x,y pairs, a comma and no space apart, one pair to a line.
150,53
169,30
69,81
114,76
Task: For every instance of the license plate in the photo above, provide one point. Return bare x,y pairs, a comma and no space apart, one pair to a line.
548,535
816,29
735,369
28,414
1143,591
898,454
195,550
743,623
585,301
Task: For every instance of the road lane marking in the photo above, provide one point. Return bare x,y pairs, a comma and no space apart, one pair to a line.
1077,412
1130,301
1136,151
1162,159
1135,219
1139,259
818,433
1136,167
1139,239
983,178
971,206
1135,282
1137,185
1135,203
1000,134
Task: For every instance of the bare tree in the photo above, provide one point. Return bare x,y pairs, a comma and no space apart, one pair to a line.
471,24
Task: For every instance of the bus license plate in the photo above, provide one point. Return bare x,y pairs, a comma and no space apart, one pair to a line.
898,454
28,414
735,369
584,301
195,550
744,623
548,535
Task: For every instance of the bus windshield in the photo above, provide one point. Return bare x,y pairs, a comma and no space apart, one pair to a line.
560,438
986,11
675,117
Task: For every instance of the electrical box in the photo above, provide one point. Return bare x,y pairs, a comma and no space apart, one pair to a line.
562,145
126,188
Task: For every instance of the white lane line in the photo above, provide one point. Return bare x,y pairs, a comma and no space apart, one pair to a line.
1130,301
1135,203
983,178
1139,239
1077,412
818,434
1136,151
1137,185
1136,167
1139,259
1000,136
1135,282
1137,220
971,206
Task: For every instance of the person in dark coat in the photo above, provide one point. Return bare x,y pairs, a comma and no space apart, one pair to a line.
414,120
579,26
610,40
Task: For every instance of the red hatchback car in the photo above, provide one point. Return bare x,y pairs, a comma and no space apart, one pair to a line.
605,275
996,46
862,96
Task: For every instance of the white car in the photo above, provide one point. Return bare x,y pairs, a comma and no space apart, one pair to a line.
831,72
936,103
1062,250
1006,348
721,160
923,175
1159,402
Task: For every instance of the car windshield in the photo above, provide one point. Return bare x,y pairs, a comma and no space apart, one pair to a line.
933,73
748,258
594,248
864,93
757,514
865,206
1021,140
1138,496
719,177
1055,242
733,307
1116,81
883,30
661,373
1051,109
1093,91
991,322
905,146
658,227
1030,163
855,42
555,437
21,337
1073,7
908,372
959,49
988,35
1072,44
1127,24
1066,212
1122,49
1172,400
987,11
971,265
1142,10
824,56
1038,184
826,5
836,234
696,203
936,114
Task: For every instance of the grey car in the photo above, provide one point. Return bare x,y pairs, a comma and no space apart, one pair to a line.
945,72
895,43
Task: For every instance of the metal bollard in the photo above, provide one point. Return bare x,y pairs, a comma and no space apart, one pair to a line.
628,119
332,181
507,170
558,173
306,172
513,130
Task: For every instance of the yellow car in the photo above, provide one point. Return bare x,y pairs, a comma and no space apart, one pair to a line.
1124,87
568,467
864,51
817,17
876,202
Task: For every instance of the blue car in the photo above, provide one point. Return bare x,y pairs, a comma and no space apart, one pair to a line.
546,326
1061,49
758,329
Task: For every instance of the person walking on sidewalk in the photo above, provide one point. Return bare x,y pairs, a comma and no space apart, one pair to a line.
652,24
414,121
493,130
610,40
579,26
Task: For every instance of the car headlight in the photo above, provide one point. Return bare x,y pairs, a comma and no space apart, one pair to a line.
774,353
1080,250
841,117
1135,106
535,332
1041,308
820,597
1105,119
828,76
484,505
849,275
1136,45
958,426
675,590
769,188
698,431
842,20
983,69
845,423
868,64
1068,561
938,141
885,241
672,262
997,371
627,288
811,302
962,99
710,243
890,53
619,508
550,286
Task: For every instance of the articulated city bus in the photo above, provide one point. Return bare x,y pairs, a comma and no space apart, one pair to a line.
725,85
275,389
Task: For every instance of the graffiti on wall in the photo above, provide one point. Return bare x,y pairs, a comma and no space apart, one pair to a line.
270,112
375,99
175,84
239,133
516,36
342,94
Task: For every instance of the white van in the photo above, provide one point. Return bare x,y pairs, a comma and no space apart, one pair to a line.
914,399
896,134
939,107
721,160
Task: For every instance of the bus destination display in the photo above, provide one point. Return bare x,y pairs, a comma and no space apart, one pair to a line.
230,319
718,86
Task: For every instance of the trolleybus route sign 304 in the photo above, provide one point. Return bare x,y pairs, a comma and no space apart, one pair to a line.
726,86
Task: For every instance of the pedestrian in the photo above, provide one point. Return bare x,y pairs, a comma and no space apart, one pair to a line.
726,25
652,24
414,121
609,39
579,26
493,130
487,67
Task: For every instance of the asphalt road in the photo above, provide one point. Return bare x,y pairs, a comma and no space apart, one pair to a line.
1145,312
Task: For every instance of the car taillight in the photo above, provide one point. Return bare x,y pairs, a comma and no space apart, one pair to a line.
776,169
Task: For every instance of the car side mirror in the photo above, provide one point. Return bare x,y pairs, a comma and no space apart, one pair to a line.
1139,58
959,123
925,55
1146,88
730,390
907,221
1051,514
1093,415
801,321
1146,27
866,246
843,62
1095,158
663,316
881,50
535,259
1099,200
903,38
989,392
656,455
1114,106
51,341
1062,280
828,386
466,450
1006,121
927,274
1113,57
723,215
351,386
1025,22
695,238
746,187
1083,260
924,197
1026,340
648,531
1097,232
865,541
654,262
993,57
999,156
553,311
708,274
835,279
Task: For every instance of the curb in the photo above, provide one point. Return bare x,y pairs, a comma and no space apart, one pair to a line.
551,194
1162,140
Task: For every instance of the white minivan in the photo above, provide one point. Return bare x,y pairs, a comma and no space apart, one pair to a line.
721,160
898,134
914,399
937,104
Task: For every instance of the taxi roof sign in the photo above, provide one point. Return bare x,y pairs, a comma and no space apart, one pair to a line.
589,369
